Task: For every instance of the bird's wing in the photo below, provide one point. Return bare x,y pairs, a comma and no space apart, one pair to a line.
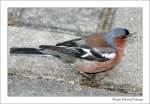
93,47
94,40
73,43
108,53
81,52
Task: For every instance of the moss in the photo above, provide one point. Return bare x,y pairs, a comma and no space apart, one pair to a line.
12,21
18,72
13,72
89,83
39,77
124,88
106,19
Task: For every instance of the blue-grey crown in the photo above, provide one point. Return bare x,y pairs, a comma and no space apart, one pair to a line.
118,32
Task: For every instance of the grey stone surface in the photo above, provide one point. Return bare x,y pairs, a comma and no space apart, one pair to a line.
21,86
70,19
26,71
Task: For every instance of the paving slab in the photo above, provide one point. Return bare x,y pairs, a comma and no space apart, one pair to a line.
70,19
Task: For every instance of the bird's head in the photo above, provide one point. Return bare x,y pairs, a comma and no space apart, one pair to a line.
117,37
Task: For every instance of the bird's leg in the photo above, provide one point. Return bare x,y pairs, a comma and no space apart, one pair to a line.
88,75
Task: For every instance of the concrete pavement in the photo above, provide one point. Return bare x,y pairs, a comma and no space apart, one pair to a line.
42,76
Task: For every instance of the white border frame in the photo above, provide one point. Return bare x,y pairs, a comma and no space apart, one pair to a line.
6,4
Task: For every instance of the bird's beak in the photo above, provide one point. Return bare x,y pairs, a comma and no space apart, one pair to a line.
131,35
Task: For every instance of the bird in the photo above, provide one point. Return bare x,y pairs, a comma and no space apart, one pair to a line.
98,52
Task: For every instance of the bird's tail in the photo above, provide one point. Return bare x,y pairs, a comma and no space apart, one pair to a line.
15,50
43,49
48,50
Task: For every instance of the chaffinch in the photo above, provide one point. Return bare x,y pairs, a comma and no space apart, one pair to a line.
99,52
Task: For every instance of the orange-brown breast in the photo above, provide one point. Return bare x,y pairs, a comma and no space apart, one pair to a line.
97,40
119,41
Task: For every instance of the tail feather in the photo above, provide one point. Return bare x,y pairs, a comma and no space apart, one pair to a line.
16,50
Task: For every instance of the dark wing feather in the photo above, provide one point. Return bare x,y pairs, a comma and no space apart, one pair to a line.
82,53
70,43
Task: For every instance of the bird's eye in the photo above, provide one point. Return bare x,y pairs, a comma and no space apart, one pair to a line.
123,37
